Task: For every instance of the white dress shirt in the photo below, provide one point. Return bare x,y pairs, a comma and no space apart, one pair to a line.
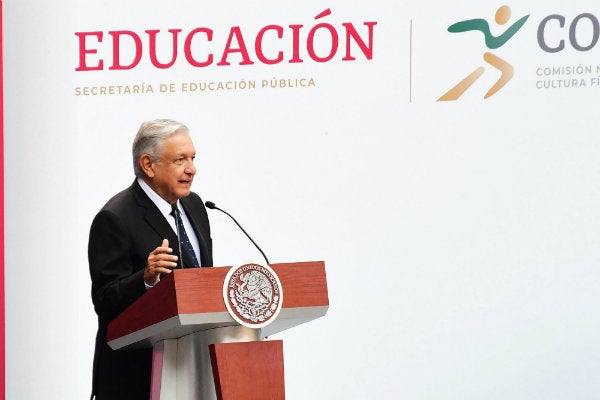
165,209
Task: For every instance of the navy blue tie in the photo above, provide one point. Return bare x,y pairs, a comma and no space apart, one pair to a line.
184,240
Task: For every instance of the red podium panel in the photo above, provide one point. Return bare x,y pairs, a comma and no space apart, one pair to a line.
249,371
199,351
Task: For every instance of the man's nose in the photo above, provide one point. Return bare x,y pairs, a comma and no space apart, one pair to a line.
190,168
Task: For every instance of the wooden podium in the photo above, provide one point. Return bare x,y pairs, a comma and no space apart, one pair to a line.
199,351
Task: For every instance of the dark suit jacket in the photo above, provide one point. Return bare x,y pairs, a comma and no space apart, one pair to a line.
125,231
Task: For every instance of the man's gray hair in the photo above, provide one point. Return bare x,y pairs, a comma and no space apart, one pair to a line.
149,140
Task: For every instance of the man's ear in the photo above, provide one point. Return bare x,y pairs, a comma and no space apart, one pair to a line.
147,164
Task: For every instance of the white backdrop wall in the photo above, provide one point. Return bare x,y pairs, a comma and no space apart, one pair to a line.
460,238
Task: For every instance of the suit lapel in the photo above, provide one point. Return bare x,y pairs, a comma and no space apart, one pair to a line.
157,221
155,218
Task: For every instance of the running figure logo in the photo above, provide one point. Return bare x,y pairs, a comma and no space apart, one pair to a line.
491,42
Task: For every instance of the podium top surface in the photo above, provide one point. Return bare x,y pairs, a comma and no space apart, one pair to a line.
191,300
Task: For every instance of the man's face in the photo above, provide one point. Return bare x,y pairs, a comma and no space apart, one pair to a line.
174,172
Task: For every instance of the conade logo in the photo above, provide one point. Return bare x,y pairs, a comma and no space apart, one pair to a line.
492,42
566,40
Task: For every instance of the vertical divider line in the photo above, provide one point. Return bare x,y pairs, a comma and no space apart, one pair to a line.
2,228
410,62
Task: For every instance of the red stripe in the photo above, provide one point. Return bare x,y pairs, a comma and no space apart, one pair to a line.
2,313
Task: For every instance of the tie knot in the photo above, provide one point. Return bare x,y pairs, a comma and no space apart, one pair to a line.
174,210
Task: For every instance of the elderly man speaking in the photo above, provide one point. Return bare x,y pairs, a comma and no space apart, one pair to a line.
143,232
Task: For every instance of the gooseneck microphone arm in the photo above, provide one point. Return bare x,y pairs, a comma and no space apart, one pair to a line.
212,206
175,213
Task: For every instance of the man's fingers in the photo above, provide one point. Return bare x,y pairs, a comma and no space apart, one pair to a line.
162,270
168,261
160,261
163,248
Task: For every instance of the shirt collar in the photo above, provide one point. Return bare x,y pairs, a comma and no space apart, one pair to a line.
163,205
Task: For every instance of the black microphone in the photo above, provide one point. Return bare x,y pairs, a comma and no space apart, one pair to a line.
212,206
